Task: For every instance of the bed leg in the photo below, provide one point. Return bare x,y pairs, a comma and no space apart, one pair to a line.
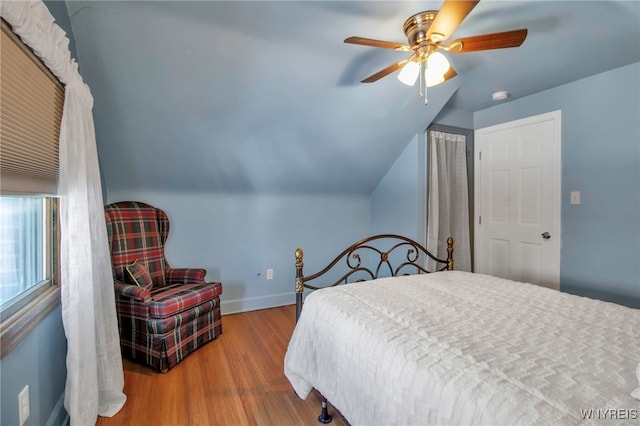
324,416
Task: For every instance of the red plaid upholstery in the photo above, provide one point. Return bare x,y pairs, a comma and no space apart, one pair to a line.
176,298
181,312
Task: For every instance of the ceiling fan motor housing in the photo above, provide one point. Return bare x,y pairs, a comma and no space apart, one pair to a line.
417,26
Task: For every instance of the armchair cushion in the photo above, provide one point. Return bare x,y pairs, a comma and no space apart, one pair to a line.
138,274
176,298
166,326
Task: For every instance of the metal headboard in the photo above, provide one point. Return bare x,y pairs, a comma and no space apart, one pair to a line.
412,263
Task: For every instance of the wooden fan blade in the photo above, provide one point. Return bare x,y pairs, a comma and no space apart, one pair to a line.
450,74
489,41
378,43
447,76
451,14
384,72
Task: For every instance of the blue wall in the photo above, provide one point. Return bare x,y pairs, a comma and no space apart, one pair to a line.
455,117
398,204
237,237
600,254
39,361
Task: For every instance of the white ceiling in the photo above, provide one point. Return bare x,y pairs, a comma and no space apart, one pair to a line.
265,96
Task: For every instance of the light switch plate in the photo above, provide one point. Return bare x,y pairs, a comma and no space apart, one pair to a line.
23,405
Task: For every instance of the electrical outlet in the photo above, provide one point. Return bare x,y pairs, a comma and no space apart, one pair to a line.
575,197
23,405
269,274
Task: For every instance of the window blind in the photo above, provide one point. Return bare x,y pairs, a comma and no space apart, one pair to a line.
31,102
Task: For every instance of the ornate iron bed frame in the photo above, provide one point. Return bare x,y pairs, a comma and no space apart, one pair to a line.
415,260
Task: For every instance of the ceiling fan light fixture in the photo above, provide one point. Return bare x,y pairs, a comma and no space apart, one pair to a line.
409,73
433,80
425,32
437,64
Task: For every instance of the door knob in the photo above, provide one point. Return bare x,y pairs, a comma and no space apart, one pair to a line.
546,235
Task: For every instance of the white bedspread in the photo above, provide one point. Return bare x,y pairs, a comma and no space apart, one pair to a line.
462,348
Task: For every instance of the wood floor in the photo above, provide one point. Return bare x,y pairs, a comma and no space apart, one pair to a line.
238,379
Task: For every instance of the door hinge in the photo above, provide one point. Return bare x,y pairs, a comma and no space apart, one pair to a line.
480,156
479,220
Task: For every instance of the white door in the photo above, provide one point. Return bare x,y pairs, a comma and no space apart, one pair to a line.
517,187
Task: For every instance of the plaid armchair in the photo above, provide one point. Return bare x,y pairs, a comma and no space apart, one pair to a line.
164,313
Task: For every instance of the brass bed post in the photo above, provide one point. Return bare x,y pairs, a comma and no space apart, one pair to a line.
324,416
449,254
299,282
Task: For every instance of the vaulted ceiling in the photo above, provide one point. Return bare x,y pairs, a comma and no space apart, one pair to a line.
265,97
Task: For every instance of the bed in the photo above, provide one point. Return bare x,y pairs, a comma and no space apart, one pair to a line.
453,347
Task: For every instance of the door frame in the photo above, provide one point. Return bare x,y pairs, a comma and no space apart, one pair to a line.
556,118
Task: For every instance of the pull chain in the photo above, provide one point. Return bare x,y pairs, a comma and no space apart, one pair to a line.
423,82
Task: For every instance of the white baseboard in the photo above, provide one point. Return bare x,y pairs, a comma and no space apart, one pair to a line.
255,303
59,415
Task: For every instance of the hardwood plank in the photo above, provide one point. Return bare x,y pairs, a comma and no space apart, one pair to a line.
238,379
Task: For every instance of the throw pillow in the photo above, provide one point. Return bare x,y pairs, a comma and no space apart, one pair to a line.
138,274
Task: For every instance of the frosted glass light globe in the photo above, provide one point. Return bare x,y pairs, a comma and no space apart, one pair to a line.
432,80
437,64
409,73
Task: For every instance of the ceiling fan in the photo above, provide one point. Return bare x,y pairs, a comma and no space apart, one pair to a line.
425,33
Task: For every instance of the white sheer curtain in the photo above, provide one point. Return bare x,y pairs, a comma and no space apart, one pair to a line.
94,365
448,198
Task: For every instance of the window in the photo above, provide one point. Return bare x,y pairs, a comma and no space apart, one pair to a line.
26,256
31,102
